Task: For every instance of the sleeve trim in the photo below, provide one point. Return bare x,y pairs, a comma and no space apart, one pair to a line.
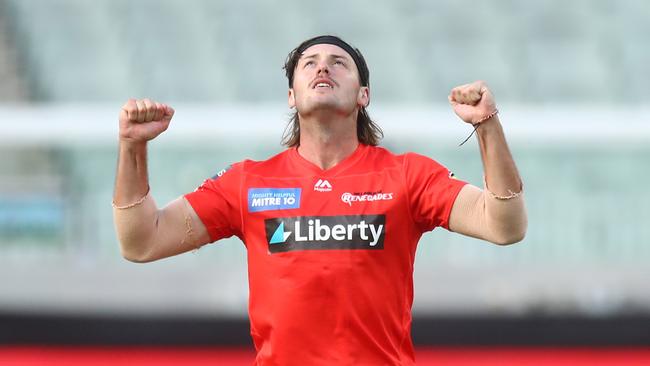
408,191
212,231
455,191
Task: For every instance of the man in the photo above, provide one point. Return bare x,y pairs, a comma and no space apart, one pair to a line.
331,224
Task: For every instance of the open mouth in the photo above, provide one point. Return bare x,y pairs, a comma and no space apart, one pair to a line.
323,84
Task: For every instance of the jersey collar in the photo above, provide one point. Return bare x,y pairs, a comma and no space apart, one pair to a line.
347,162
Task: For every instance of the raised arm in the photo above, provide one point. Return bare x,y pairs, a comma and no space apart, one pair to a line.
145,232
495,213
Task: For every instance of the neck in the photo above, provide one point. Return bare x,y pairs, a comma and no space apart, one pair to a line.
325,142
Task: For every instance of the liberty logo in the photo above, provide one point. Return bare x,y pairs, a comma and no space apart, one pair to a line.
279,236
322,186
325,232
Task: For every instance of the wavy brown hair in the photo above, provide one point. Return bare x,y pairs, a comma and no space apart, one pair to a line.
368,132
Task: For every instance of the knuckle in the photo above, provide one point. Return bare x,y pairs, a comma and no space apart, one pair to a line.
128,103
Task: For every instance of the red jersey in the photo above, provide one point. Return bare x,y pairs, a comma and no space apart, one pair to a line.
330,252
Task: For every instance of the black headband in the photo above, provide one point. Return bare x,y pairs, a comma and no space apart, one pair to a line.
364,73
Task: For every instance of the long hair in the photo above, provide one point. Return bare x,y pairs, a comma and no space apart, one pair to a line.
368,132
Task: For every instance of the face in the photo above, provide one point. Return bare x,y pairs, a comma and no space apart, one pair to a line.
326,78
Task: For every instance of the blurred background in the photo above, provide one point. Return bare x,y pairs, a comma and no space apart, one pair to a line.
570,78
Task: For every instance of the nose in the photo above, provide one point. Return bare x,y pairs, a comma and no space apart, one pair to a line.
323,68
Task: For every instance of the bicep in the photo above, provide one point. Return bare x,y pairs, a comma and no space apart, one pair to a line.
468,213
475,213
178,229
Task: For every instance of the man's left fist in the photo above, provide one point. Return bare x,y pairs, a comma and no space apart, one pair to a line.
472,102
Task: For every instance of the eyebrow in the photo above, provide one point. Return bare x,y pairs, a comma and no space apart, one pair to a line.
331,56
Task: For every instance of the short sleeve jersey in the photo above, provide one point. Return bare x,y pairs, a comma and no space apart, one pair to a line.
330,252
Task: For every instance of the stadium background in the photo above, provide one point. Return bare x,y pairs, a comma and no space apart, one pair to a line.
571,80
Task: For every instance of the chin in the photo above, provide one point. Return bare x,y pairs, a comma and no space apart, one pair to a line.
323,104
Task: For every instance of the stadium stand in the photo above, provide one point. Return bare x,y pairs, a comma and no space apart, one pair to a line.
12,85
224,51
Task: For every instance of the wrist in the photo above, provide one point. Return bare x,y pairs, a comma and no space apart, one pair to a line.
486,118
489,126
132,145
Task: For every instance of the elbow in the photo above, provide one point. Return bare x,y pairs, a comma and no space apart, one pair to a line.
136,245
510,229
510,234
509,238
135,230
135,256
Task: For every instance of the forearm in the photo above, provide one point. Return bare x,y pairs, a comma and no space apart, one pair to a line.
500,171
132,181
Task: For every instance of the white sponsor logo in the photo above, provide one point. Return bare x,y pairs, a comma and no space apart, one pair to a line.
322,186
325,232
318,232
348,197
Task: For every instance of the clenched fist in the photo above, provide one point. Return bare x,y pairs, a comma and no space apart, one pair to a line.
473,103
142,120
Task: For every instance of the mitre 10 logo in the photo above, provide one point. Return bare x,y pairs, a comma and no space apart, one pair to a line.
286,234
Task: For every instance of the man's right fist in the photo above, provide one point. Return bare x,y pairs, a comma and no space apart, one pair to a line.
142,120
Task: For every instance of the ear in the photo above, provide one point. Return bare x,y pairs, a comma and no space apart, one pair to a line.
292,99
363,99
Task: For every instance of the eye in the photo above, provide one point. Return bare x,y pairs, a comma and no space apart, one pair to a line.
339,62
308,63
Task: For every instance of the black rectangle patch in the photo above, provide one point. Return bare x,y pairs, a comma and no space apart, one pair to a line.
285,234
